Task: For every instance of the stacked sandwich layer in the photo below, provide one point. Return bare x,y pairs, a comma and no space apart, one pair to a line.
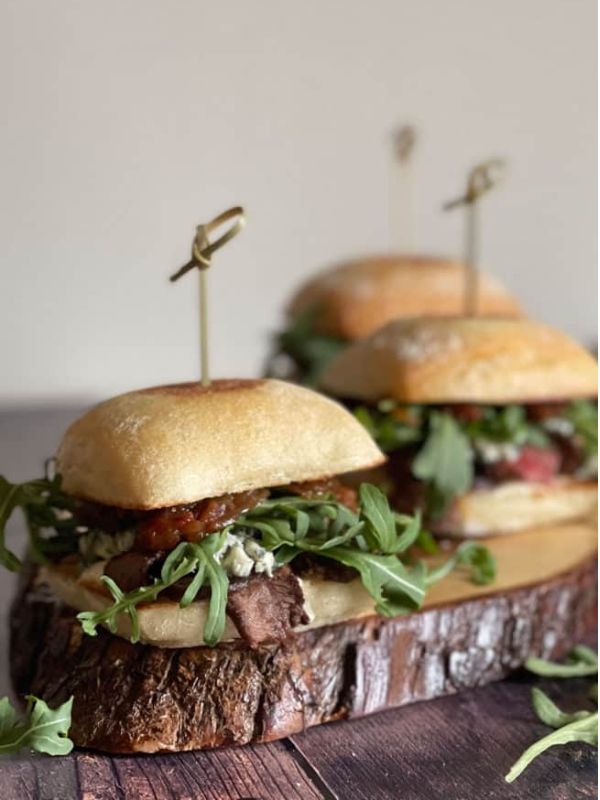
183,515
490,425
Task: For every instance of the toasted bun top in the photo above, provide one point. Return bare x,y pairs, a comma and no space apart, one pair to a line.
464,360
356,298
175,444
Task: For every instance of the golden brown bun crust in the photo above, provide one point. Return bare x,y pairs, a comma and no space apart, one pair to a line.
357,297
176,444
516,506
464,360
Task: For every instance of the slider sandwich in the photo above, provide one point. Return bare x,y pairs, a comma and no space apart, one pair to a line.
190,538
348,302
490,425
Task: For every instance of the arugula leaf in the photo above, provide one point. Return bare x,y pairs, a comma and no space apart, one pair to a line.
395,589
387,429
468,554
311,351
583,414
186,559
445,462
507,424
550,713
10,498
584,730
380,522
39,500
581,661
42,729
578,726
427,543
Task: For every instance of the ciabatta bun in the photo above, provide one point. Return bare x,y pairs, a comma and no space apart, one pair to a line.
516,506
460,359
177,444
355,298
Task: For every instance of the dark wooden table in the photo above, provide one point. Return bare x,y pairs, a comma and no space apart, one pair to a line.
455,748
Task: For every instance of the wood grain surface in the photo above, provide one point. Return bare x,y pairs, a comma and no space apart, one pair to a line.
454,748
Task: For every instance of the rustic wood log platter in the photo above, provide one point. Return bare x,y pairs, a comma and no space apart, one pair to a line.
138,698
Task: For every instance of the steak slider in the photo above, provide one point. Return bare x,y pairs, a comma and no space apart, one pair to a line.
348,302
490,424
189,533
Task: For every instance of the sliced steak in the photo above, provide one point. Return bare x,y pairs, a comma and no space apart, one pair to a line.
131,570
308,565
265,609
572,454
536,464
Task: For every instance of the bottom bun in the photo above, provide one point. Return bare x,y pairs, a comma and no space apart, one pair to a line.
130,698
516,506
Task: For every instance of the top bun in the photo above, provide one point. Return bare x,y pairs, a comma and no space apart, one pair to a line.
357,297
460,360
176,444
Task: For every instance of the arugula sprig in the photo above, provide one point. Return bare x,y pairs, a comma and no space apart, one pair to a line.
390,429
580,662
369,541
39,500
445,462
446,447
506,424
445,455
583,414
311,351
188,558
42,729
476,557
579,726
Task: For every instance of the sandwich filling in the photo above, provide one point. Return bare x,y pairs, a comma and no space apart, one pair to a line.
437,453
238,564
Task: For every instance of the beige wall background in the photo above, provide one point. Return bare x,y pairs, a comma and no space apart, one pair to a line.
126,122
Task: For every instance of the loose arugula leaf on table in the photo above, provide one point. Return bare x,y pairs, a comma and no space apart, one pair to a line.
581,730
577,726
42,729
445,462
580,662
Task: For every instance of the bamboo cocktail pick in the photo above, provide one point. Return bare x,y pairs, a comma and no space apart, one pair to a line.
482,178
202,251
402,203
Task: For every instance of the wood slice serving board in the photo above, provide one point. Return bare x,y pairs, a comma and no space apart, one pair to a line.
142,698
